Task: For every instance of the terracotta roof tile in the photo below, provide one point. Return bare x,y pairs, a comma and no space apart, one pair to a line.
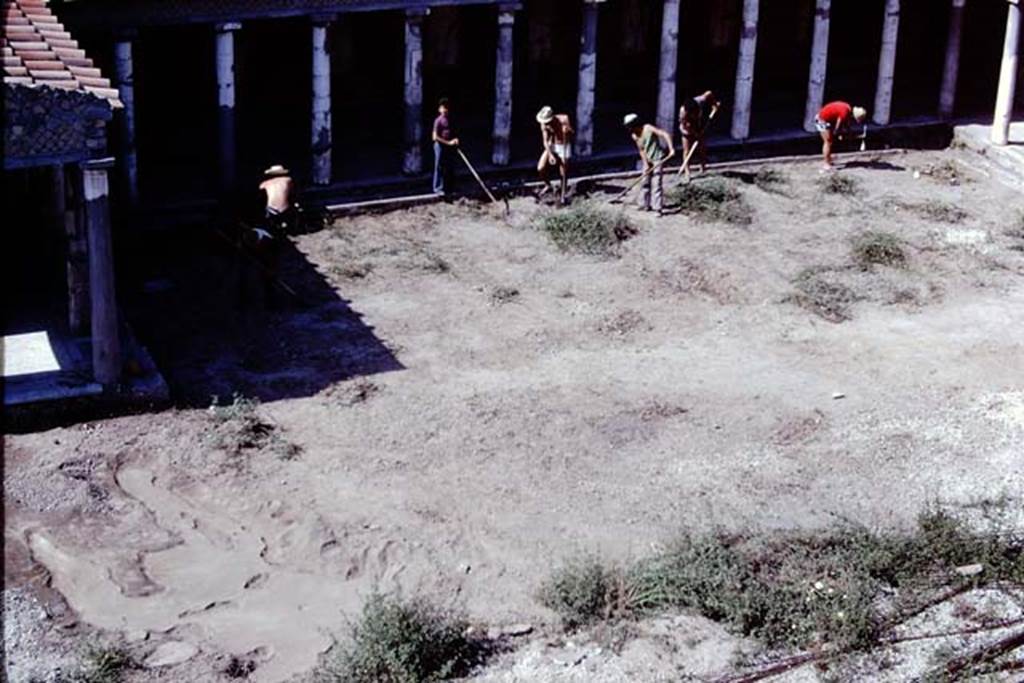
38,50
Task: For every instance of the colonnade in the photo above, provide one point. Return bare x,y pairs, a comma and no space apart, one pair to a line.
667,96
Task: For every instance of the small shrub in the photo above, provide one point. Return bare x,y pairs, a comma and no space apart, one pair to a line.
770,179
713,200
874,248
836,183
581,592
105,665
398,641
826,298
588,228
240,428
946,172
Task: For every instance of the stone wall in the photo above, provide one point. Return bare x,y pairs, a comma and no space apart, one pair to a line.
48,125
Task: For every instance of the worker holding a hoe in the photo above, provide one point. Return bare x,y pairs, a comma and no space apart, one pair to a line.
445,149
833,122
556,135
656,148
694,117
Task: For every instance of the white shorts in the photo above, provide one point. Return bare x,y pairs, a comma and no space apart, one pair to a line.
563,150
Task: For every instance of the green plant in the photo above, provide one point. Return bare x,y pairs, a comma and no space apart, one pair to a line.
712,200
878,248
588,228
398,641
822,295
581,591
240,428
803,589
836,183
105,664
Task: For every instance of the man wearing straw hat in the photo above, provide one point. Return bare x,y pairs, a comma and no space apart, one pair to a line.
556,136
833,122
279,188
656,148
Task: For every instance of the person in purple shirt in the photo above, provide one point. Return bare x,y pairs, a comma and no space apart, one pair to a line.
444,151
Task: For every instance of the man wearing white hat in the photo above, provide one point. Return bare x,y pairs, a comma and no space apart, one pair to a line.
279,188
556,135
656,148
832,123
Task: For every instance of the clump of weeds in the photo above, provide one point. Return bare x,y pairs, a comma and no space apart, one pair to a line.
588,228
875,248
770,179
105,664
837,183
240,428
810,589
712,200
504,295
402,641
820,293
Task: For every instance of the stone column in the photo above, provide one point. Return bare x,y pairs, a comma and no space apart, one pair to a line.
1007,76
587,80
225,52
106,340
321,141
819,63
124,75
745,72
412,164
503,84
666,116
947,96
67,192
887,63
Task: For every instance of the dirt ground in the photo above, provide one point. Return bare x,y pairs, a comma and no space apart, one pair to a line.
456,406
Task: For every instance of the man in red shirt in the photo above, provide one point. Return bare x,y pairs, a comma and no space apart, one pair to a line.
833,121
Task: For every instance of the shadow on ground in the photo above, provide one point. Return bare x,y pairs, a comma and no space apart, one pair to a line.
217,329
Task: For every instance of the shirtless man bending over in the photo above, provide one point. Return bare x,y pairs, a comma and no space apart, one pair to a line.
279,188
556,135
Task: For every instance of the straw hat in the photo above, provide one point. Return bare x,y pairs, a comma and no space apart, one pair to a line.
546,115
630,120
860,113
276,170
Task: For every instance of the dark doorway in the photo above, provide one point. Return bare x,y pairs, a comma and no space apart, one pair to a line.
783,53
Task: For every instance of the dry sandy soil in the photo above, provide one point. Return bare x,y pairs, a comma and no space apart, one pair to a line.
456,406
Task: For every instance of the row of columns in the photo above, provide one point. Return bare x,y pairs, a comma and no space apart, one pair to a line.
412,163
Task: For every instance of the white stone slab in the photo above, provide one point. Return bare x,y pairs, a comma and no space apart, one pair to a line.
28,353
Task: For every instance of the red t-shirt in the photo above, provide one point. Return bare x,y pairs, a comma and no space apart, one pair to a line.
836,114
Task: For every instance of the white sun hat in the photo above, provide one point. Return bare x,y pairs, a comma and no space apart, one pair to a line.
630,119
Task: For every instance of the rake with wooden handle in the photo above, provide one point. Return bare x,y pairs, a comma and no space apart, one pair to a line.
618,198
686,161
479,179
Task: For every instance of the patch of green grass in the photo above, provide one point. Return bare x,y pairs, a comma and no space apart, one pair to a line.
711,200
822,295
588,228
837,183
875,248
399,641
106,664
799,589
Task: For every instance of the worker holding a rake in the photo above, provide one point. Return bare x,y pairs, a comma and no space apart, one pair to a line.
556,136
694,117
656,148
833,122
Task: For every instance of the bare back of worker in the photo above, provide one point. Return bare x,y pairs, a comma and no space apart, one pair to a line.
279,193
